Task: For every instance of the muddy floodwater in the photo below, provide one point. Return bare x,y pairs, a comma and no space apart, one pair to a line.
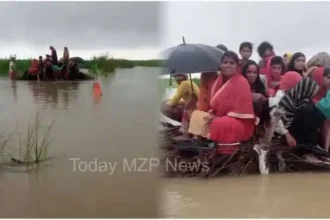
123,124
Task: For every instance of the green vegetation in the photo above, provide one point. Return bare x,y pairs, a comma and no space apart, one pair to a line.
97,64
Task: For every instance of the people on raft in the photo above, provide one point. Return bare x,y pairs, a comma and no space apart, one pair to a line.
298,63
231,118
183,103
303,119
277,68
286,59
245,50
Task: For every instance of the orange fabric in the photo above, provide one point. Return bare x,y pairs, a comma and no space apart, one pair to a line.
206,82
289,80
97,89
12,75
34,68
317,76
233,98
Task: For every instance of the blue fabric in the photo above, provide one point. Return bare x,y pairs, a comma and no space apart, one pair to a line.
324,105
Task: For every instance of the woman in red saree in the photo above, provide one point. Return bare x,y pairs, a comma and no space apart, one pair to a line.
206,82
232,116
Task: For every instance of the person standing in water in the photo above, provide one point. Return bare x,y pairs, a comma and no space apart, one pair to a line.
12,69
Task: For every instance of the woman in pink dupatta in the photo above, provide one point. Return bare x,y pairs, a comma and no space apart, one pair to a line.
232,116
317,76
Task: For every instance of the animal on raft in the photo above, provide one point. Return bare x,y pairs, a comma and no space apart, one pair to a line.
50,72
264,153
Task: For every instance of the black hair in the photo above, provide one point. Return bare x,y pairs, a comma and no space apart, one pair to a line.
222,47
293,59
40,57
245,45
263,47
326,72
257,86
277,60
232,55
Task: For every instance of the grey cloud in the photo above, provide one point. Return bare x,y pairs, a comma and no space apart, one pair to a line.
81,25
290,26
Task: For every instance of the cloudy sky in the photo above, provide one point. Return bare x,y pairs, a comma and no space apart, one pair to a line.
139,30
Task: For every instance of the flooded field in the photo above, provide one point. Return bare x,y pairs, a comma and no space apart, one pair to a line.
123,124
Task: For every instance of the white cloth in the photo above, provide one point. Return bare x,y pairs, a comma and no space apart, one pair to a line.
11,66
263,79
273,104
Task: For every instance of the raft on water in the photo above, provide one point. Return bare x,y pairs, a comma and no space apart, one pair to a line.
262,154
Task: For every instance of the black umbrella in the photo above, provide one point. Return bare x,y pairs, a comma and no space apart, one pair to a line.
192,58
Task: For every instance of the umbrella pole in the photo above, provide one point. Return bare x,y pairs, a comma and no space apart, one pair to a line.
191,83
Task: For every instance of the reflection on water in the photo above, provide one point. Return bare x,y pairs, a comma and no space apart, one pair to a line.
54,95
109,131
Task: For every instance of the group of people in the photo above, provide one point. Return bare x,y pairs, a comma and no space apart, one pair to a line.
229,105
49,67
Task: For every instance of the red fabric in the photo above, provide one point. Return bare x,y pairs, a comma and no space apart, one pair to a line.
317,76
226,128
34,68
206,82
12,75
289,80
266,70
235,96
272,91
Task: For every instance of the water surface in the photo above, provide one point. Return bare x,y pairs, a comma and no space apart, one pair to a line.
123,124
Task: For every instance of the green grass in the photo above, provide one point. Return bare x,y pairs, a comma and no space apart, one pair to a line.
33,145
101,64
